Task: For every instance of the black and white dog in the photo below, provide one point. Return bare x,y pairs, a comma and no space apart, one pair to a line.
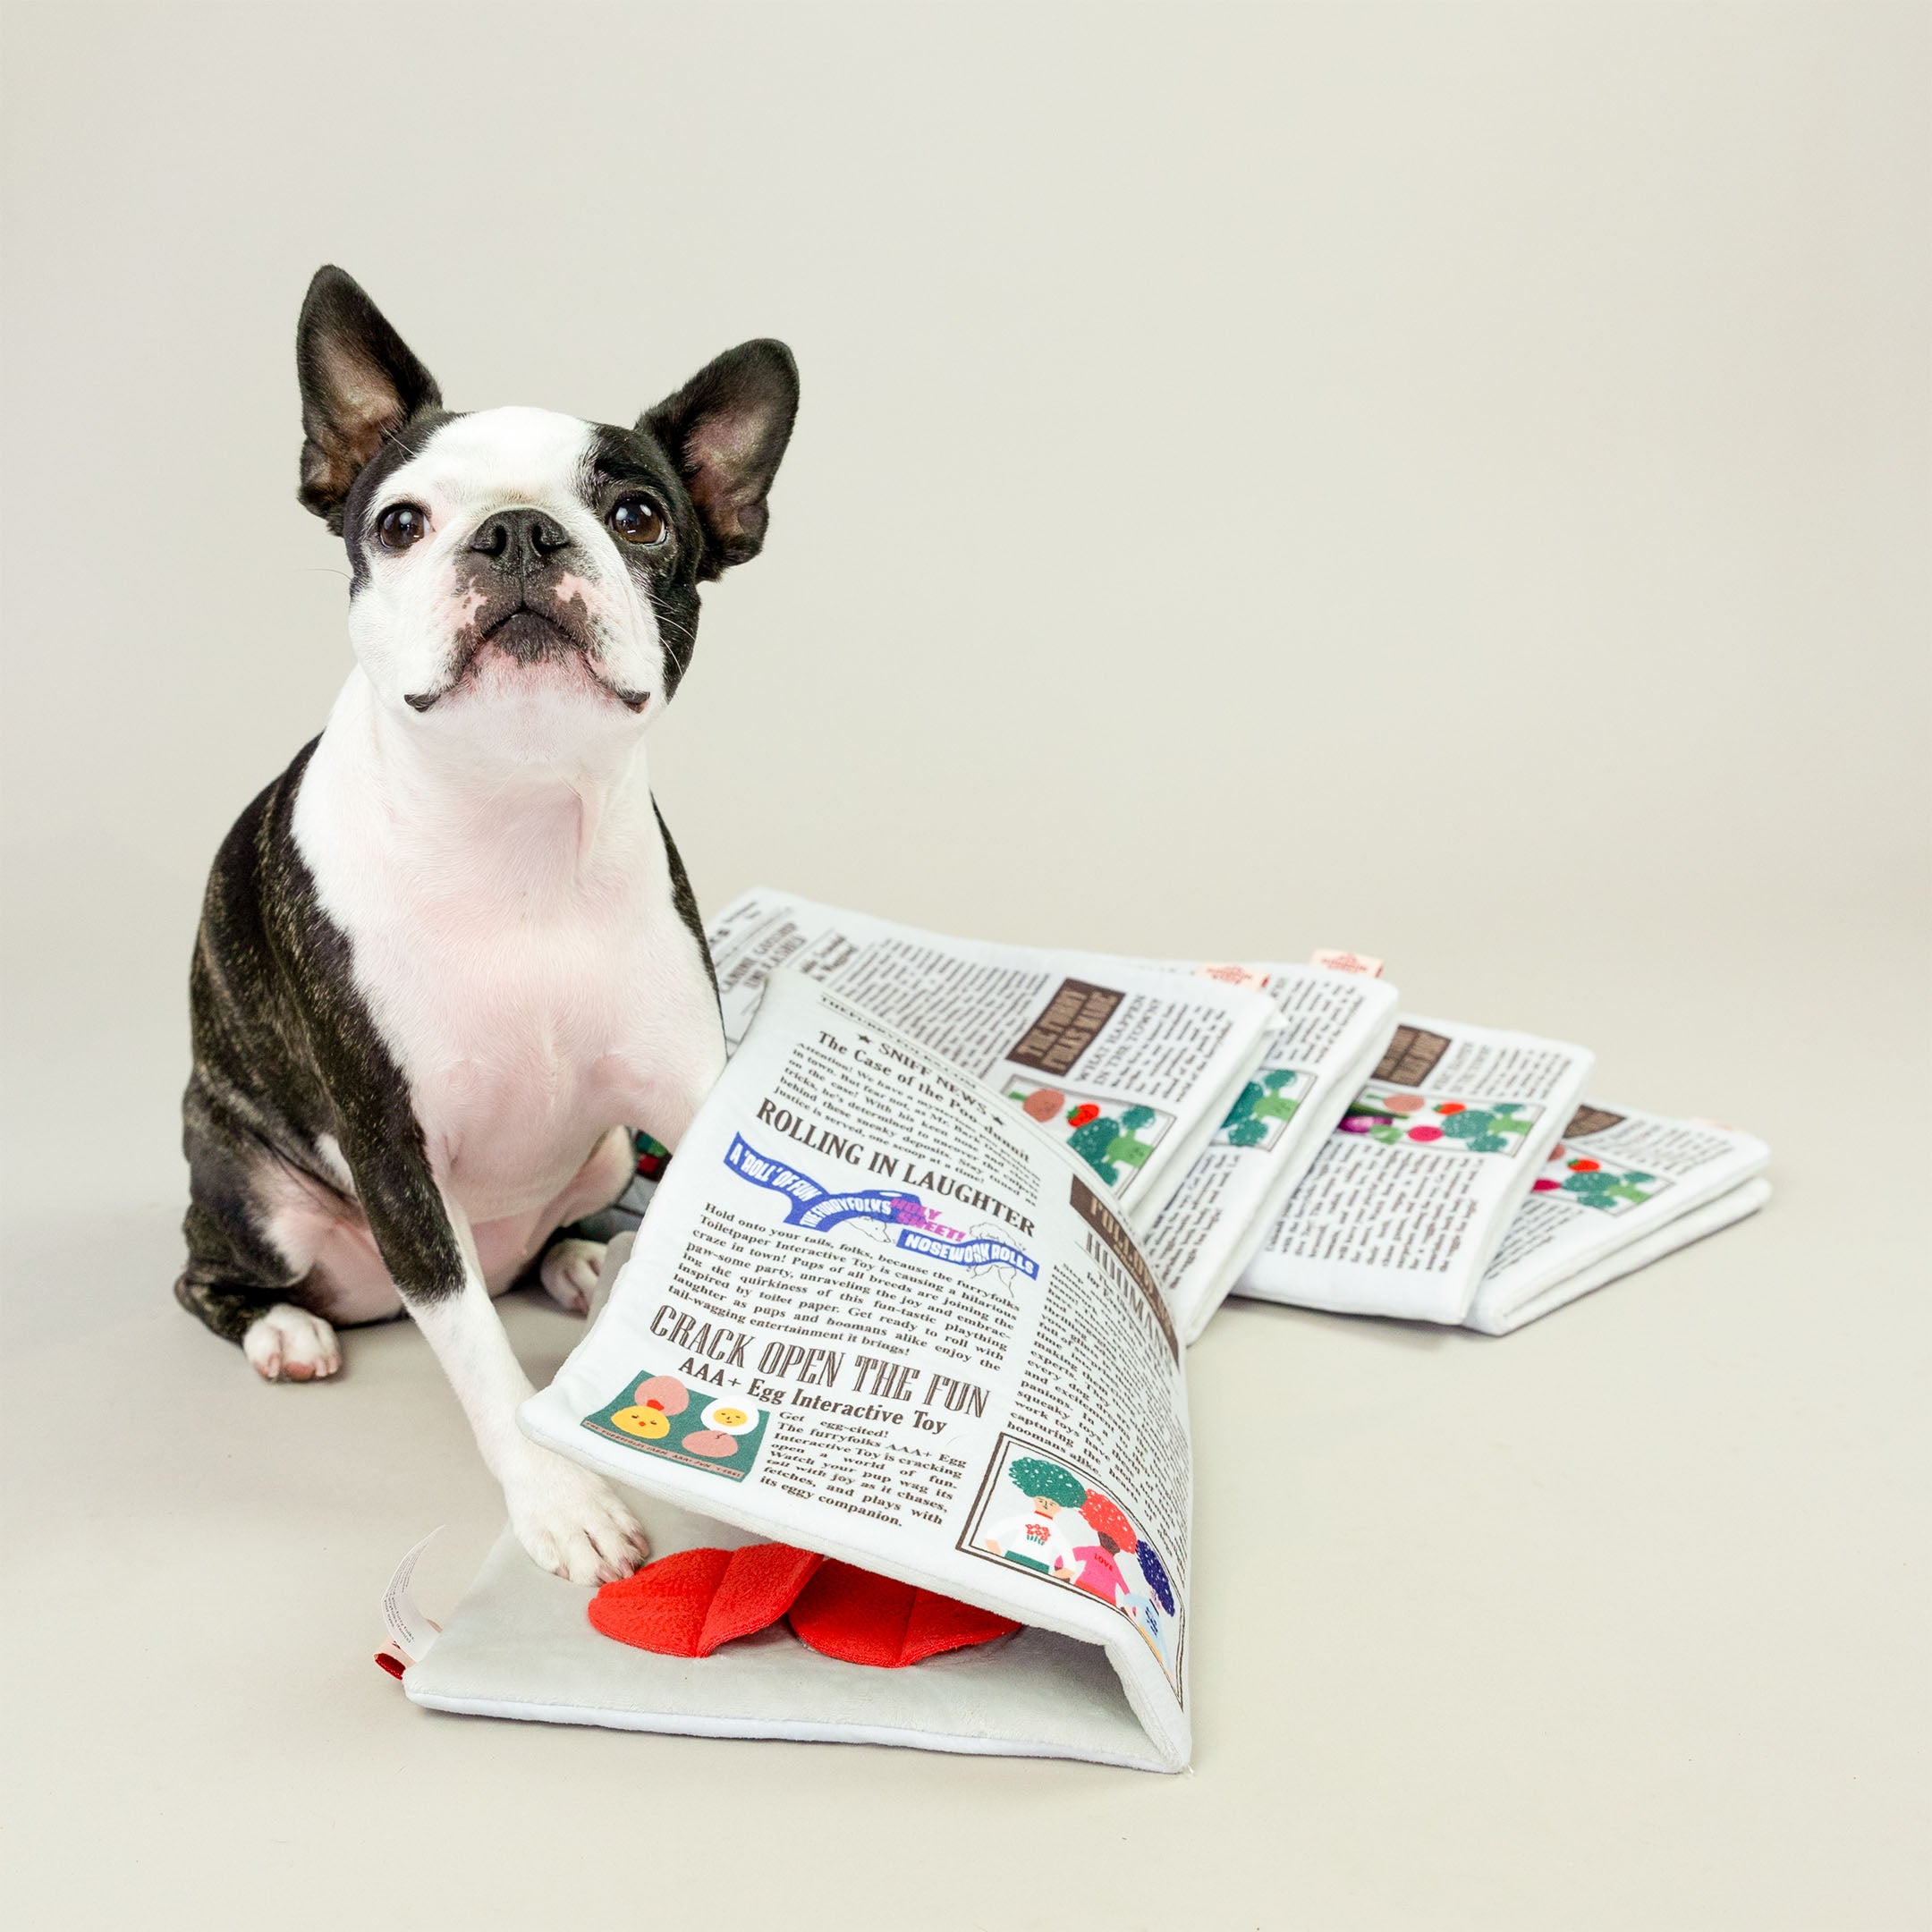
449,957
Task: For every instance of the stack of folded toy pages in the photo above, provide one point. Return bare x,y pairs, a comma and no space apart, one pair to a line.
895,1359
1470,1181
1371,1162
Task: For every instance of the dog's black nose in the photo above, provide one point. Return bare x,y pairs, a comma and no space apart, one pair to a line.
519,541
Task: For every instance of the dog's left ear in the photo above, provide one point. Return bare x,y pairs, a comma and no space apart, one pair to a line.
726,429
359,384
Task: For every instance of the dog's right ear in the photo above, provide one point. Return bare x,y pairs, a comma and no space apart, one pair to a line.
359,384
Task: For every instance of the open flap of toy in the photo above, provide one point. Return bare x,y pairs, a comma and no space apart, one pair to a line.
877,1313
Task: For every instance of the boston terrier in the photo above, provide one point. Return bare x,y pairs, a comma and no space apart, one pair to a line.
450,959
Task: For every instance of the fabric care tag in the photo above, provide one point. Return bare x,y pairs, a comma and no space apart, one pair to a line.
411,1632
1365,963
1234,976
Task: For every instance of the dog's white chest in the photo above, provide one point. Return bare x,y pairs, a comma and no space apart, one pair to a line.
525,1042
528,971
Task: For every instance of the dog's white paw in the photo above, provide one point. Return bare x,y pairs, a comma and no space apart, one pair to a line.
290,1344
568,1272
572,1523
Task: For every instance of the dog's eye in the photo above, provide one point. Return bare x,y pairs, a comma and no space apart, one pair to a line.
400,526
638,520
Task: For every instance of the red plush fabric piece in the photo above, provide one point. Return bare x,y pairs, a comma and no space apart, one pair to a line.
689,1603
865,1619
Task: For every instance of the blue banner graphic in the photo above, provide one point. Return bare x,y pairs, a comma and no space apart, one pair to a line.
810,1206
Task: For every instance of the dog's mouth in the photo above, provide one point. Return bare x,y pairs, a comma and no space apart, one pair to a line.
528,637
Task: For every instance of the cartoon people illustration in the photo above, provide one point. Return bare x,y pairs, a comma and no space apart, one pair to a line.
1151,1600
1032,1539
1099,1574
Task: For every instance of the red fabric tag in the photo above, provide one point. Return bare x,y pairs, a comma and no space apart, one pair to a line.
865,1619
689,1603
1366,963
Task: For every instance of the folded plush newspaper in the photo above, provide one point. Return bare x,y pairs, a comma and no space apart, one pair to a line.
1131,1066
915,1291
907,1330
1335,1028
1206,1139
1620,1189
1409,1199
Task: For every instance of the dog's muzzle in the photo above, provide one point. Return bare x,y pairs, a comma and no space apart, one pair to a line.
514,566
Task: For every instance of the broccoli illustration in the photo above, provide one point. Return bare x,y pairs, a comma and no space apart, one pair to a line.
1485,1130
1260,1101
1107,1144
1597,1188
1094,1143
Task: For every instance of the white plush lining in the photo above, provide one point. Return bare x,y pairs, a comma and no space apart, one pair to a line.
521,1646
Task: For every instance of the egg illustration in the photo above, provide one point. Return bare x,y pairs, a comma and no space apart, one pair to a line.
663,1392
728,1416
646,1420
711,1443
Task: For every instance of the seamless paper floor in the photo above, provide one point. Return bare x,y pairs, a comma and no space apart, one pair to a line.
1447,481
1607,1622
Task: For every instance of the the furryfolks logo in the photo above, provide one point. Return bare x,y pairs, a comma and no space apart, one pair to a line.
809,1206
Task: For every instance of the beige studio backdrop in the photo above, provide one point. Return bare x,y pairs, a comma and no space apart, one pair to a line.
1449,481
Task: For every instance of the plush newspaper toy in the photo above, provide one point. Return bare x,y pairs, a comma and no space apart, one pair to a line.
1133,1066
896,1360
1621,1189
1428,1139
897,1385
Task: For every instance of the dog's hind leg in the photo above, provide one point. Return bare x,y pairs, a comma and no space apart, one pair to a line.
569,1272
283,1340
572,1258
240,1280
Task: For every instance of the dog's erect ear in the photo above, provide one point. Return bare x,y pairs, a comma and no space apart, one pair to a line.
726,429
359,384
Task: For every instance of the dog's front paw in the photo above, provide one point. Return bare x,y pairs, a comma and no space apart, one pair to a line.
290,1344
572,1523
568,1272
